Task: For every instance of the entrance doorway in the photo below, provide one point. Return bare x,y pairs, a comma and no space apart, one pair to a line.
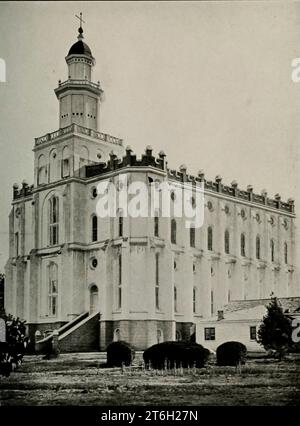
94,300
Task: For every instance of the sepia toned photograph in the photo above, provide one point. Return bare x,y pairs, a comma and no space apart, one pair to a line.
149,239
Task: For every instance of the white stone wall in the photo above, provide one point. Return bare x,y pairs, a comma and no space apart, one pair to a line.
228,276
228,331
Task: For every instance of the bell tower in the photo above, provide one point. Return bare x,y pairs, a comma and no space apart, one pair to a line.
79,98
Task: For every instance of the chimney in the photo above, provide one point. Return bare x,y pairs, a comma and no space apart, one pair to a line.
220,315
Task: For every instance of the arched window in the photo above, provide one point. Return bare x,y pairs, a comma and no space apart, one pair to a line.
175,299
94,299
285,249
94,228
42,171
173,231
160,337
157,280
243,245
156,225
226,242
192,237
272,247
194,300
53,164
52,290
209,238
119,281
53,220
117,335
257,247
65,167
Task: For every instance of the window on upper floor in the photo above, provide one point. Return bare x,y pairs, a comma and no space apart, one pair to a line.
119,296
212,307
53,221
156,225
173,231
257,247
285,249
157,280
94,228
65,168
175,300
226,242
209,238
194,300
243,245
192,236
17,244
272,250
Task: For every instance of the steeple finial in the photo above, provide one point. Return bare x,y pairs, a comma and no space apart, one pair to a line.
80,30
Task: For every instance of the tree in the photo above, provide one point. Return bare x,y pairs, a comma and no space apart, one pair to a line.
275,331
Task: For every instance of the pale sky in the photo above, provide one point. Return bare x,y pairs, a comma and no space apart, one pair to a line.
207,82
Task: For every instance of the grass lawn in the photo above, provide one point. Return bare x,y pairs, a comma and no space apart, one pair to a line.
76,379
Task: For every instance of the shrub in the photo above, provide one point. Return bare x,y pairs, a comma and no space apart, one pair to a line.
119,353
176,354
13,350
231,353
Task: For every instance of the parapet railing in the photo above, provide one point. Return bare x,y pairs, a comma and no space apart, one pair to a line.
76,128
80,82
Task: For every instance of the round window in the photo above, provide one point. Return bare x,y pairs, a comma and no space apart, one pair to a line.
94,263
209,205
94,192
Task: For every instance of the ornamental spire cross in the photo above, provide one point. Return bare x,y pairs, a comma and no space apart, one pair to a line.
80,19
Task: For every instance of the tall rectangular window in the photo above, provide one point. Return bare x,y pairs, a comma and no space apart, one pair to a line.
121,226
175,300
211,302
253,333
243,243
173,231
272,248
156,226
94,228
53,221
157,280
17,244
194,299
257,247
52,290
65,168
209,238
192,237
226,242
119,281
285,248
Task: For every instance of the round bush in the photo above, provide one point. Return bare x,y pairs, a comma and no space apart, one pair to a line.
231,353
176,354
119,353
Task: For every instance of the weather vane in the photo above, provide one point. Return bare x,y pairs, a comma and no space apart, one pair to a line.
80,19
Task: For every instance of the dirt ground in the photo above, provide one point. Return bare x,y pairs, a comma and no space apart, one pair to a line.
78,379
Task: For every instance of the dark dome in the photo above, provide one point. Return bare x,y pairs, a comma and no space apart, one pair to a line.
80,48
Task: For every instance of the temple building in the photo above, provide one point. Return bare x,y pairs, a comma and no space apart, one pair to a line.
139,279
